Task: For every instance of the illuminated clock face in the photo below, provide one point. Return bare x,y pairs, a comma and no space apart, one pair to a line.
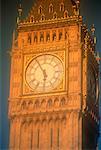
44,73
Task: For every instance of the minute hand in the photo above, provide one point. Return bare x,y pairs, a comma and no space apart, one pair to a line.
39,65
43,70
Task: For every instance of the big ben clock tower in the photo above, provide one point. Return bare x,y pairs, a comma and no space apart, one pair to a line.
53,100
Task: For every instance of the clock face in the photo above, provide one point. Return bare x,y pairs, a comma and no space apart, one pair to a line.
44,73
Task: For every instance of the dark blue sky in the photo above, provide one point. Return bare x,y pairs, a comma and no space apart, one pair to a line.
91,12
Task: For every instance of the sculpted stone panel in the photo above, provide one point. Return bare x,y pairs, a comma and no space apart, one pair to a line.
43,104
56,103
63,102
34,38
28,58
49,103
73,33
36,104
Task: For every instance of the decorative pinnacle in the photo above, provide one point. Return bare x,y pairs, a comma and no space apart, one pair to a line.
76,7
93,29
19,12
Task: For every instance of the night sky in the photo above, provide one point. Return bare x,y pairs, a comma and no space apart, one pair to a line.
91,12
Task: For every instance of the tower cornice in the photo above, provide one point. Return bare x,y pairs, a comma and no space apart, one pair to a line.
49,23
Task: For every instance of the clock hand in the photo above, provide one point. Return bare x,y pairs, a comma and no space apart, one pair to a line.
45,75
39,65
44,84
43,70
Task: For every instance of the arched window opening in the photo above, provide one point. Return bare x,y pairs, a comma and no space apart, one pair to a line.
43,17
49,103
41,37
50,8
65,35
48,37
66,14
40,10
31,19
29,38
24,105
36,104
62,7
63,101
60,36
55,15
35,38
54,36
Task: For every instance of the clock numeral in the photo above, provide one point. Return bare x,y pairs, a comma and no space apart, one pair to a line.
37,86
32,81
51,84
52,60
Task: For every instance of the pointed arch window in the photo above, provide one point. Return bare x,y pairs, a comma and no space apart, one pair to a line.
31,19
62,7
41,37
40,10
66,14
48,37
60,36
66,35
29,38
49,103
50,8
54,36
24,105
36,104
55,15
35,37
63,101
43,17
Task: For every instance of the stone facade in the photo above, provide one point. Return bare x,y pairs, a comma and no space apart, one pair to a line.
60,119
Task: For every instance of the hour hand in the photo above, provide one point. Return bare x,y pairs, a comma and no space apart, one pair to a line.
45,75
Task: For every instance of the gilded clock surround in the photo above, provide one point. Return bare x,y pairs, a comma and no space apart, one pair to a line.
48,72
29,57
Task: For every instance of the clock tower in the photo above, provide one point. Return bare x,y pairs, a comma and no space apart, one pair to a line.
53,100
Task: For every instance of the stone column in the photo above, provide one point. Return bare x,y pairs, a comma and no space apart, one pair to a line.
43,135
54,135
30,135
17,132
12,134
36,135
34,140
80,131
24,136
50,134
69,128
64,133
